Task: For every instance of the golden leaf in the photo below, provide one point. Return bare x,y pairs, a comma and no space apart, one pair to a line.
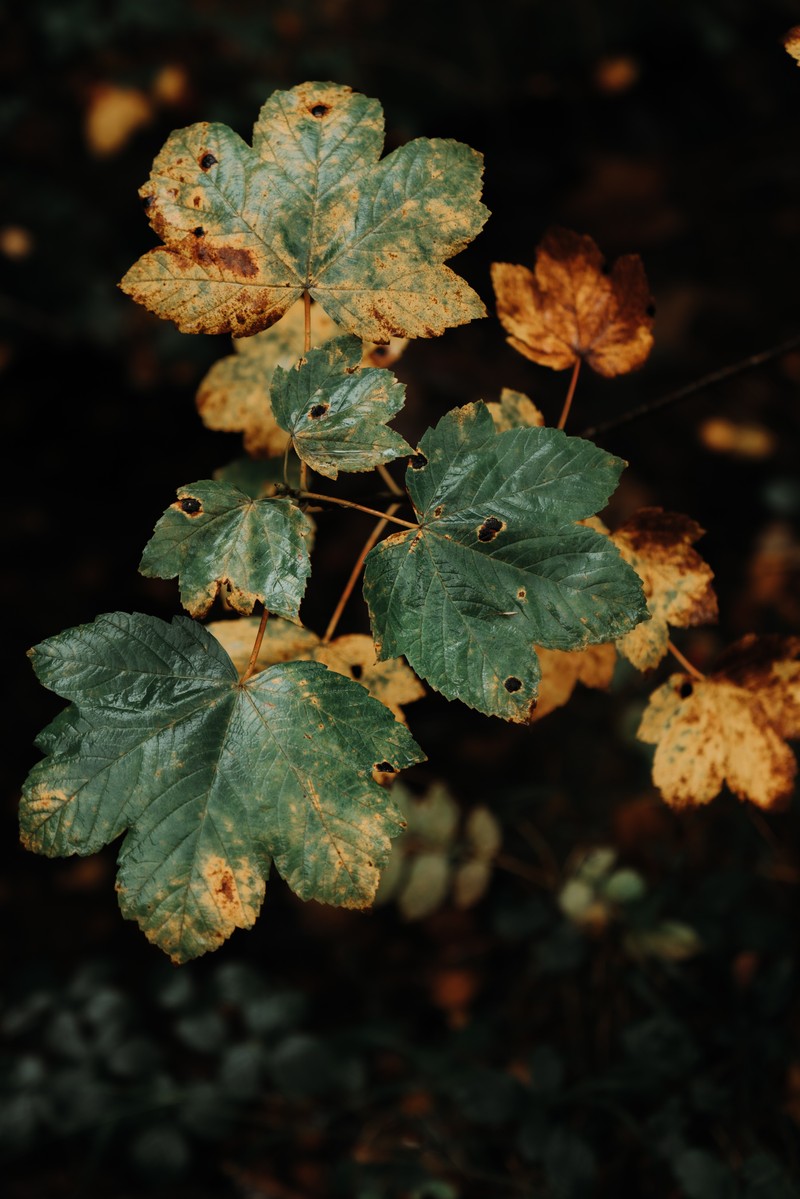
676,580
515,410
562,670
567,307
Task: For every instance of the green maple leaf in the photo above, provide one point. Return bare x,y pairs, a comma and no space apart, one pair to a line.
309,208
499,564
335,410
209,779
215,535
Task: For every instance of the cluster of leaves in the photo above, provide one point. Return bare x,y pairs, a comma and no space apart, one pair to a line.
503,591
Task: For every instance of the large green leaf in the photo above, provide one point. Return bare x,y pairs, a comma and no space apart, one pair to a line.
310,209
499,564
212,779
215,535
335,409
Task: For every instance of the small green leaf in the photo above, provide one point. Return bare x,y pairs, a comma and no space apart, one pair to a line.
216,536
336,410
209,778
499,564
310,209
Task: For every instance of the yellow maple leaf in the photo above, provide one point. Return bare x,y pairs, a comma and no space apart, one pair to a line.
676,580
567,308
729,727
562,670
514,410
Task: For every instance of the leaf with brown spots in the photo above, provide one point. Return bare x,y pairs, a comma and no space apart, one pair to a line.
676,581
310,209
235,394
215,537
569,308
336,410
562,670
392,683
209,780
729,727
499,564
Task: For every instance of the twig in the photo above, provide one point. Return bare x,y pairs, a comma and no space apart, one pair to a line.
685,663
333,499
356,571
562,420
251,665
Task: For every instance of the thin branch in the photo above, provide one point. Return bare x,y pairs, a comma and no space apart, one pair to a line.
685,663
333,499
306,348
673,397
389,481
251,665
576,370
356,571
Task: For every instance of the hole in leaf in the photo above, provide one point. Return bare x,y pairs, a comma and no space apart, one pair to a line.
418,461
207,161
378,353
357,670
512,683
386,767
190,505
685,690
490,528
199,231
320,110
317,411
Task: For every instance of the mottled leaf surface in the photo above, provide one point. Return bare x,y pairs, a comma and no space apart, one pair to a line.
310,208
215,536
335,410
514,410
569,308
729,727
210,780
499,564
235,394
676,580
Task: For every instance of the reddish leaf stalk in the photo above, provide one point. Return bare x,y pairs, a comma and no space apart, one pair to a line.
251,665
356,571
562,420
685,663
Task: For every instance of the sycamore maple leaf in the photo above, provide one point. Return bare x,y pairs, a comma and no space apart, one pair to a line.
310,209
676,580
562,670
569,309
235,395
515,410
729,727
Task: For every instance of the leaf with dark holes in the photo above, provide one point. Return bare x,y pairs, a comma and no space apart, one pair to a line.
467,610
209,780
310,209
335,410
215,534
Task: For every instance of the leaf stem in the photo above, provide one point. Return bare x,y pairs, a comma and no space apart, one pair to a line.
333,499
672,397
576,370
251,665
388,480
356,571
306,348
685,663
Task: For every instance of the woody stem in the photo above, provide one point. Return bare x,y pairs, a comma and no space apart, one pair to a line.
685,663
356,571
251,665
562,420
333,499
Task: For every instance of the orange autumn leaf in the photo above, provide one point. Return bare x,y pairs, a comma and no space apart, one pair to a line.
729,727
791,43
568,308
562,670
676,581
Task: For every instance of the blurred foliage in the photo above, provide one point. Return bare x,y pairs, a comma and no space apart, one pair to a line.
634,1034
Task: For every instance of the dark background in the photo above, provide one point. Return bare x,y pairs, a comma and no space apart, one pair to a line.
563,1065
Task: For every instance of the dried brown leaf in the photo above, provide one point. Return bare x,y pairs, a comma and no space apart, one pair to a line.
568,308
676,580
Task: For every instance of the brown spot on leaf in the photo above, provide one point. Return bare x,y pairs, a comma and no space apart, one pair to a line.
417,461
319,110
512,683
189,505
522,594
239,261
490,528
207,160
438,510
317,411
385,767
